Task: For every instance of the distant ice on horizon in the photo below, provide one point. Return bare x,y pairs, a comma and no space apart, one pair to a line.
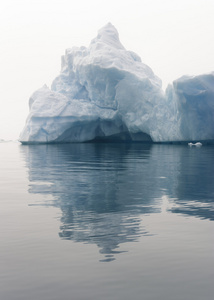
106,92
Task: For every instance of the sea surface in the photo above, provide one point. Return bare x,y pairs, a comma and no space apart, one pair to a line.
106,222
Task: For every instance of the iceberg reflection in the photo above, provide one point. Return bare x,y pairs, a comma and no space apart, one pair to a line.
103,190
194,195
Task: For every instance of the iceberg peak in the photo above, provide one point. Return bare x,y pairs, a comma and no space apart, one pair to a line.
109,36
106,92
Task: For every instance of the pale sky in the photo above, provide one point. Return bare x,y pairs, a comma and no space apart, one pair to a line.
173,37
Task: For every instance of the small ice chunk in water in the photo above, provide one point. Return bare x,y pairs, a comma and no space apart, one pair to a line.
198,144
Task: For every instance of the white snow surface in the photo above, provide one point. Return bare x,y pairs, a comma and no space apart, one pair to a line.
106,92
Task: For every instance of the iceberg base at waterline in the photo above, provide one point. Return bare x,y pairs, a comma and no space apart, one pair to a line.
105,92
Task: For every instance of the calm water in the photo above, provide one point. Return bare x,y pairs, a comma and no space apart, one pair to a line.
106,221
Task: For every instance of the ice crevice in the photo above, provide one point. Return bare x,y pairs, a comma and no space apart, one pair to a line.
106,92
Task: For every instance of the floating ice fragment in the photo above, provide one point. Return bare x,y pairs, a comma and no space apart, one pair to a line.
198,144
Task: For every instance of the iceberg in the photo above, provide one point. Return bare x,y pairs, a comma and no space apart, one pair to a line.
105,92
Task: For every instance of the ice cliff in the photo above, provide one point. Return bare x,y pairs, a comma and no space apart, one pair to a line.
106,92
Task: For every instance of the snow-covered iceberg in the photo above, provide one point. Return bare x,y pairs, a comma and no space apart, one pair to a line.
106,92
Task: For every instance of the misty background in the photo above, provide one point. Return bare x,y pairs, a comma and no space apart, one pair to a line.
173,37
